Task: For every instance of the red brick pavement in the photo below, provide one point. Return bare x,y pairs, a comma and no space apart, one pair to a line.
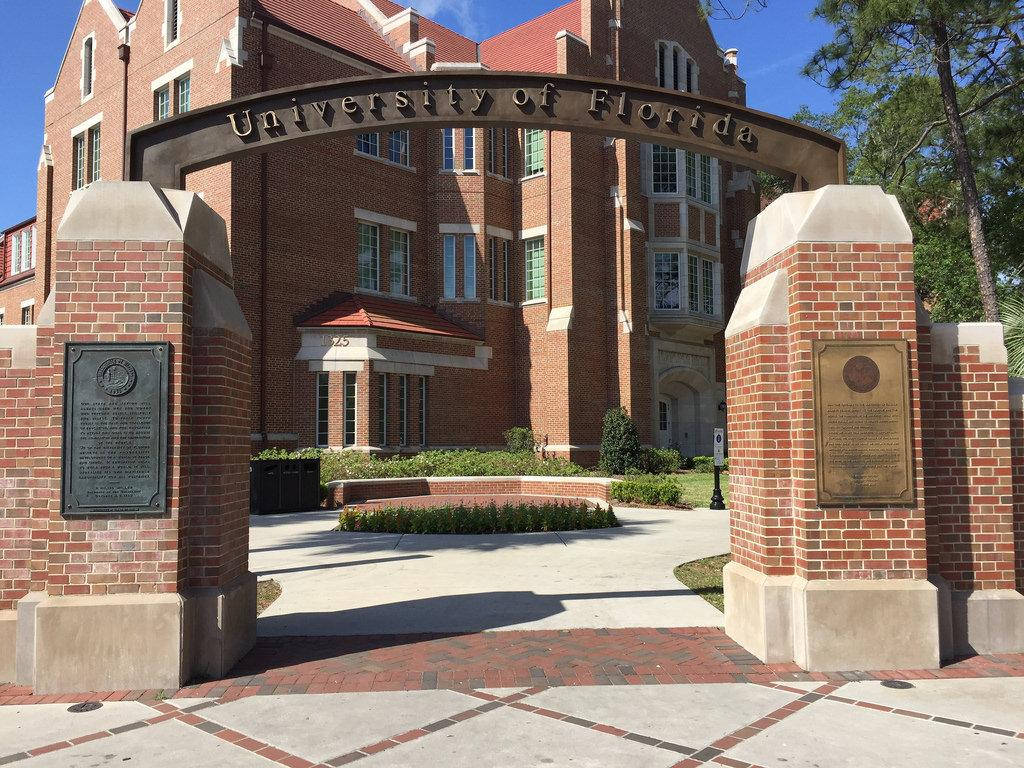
509,659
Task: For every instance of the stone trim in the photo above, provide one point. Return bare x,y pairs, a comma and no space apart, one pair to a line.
84,126
560,318
532,232
766,302
948,338
566,33
174,74
392,222
425,46
21,340
459,229
504,234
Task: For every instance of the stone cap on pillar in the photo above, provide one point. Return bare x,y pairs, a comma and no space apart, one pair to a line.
948,338
833,214
140,211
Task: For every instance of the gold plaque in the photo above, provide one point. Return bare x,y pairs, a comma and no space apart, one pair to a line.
862,423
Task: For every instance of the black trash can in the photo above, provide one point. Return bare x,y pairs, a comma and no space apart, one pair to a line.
284,485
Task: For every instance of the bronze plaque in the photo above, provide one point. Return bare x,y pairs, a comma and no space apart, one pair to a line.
115,429
862,423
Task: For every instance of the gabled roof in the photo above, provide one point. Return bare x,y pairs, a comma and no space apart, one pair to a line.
530,47
449,44
117,17
338,26
356,310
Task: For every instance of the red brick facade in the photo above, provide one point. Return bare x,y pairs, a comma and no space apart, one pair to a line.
18,253
292,221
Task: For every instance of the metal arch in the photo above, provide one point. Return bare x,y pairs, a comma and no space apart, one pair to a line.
164,152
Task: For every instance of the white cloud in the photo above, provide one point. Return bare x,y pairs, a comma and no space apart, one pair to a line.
463,11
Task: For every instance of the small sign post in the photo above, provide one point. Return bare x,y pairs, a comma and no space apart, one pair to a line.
717,500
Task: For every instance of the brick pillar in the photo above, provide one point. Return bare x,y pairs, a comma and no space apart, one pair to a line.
827,586
160,598
969,479
1017,443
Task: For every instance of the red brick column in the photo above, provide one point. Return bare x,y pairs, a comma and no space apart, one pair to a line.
1017,448
829,587
161,598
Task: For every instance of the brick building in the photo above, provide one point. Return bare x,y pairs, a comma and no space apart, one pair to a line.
18,246
434,288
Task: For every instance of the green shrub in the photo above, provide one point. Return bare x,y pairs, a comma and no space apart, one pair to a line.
647,489
707,464
662,461
356,465
461,519
280,454
620,443
520,440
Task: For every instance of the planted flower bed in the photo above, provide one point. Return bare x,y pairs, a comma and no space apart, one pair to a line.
469,519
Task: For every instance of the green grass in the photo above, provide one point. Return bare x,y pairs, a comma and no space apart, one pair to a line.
696,487
267,591
462,519
705,578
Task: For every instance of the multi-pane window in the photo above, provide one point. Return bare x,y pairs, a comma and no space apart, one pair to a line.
536,269
403,409
15,254
492,261
350,408
368,259
498,154
88,54
468,149
707,275
533,152
666,281
705,178
662,416
469,267
172,21
382,407
423,410
664,170
505,270
400,262
691,174
94,153
398,148
449,266
692,284
368,144
78,162
28,314
183,87
448,149
322,408
162,103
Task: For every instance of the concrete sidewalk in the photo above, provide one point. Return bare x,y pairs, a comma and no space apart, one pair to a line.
935,724
337,583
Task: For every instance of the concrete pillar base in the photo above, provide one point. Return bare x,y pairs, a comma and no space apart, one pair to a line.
833,625
108,643
221,626
981,621
25,655
8,645
759,612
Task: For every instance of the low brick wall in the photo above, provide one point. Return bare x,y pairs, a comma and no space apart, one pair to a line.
344,492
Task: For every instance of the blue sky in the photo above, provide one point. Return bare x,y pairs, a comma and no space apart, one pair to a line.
774,44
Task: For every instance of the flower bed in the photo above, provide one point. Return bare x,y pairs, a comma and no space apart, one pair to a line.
491,518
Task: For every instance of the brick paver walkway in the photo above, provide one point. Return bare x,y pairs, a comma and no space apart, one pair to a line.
296,665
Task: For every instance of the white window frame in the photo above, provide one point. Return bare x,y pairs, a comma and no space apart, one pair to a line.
674,192
404,257
382,408
185,78
29,304
680,276
366,141
374,264
671,62
33,264
469,266
449,260
323,380
16,253
532,171
159,96
447,149
87,95
468,149
543,289
403,409
172,6
348,439
405,143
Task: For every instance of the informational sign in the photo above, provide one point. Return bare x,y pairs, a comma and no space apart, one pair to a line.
719,447
115,429
862,423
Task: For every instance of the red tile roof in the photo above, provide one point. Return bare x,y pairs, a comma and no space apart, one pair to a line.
361,311
338,26
450,45
530,47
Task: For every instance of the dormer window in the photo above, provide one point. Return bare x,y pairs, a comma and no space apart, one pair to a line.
674,68
88,66
172,21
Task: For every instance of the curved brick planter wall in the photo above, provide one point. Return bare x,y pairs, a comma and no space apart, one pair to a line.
344,492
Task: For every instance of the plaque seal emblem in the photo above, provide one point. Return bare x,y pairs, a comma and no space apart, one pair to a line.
116,376
861,374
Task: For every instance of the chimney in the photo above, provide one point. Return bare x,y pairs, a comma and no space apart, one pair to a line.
403,27
732,59
421,54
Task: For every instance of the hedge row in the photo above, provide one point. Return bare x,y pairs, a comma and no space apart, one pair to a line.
509,518
647,490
